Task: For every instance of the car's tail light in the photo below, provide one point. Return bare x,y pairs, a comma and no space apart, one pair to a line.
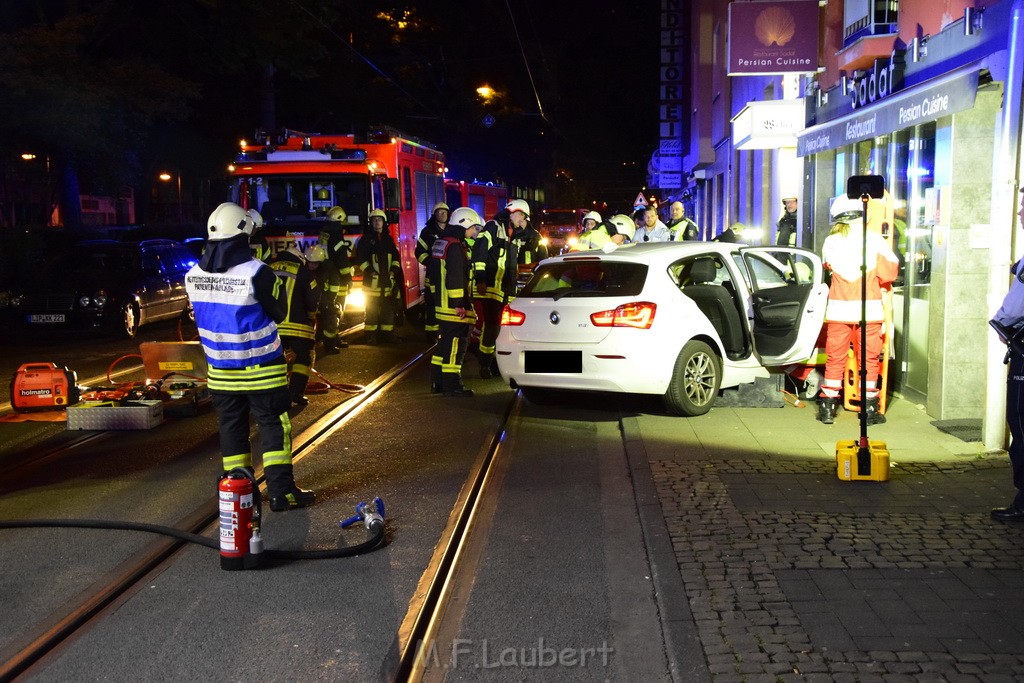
512,317
639,314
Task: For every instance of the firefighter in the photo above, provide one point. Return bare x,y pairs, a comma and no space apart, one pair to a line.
257,240
298,330
329,283
451,275
494,263
378,258
843,254
237,301
339,252
431,231
532,247
619,229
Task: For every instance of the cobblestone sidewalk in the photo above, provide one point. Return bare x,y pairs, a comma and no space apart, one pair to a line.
792,574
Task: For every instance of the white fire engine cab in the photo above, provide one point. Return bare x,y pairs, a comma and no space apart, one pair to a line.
293,179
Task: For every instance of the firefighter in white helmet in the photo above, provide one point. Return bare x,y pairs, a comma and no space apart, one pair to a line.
495,260
257,240
451,276
431,231
843,254
377,256
298,330
237,305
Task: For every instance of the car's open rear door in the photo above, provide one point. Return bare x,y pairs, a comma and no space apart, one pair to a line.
788,298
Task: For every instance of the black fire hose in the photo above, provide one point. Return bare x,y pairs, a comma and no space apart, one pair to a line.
366,546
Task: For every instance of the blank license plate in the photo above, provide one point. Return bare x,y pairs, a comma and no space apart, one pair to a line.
46,318
554,361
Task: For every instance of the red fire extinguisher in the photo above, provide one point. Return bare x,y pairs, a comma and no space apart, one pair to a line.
241,544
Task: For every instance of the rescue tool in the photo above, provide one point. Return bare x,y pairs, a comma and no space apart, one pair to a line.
862,459
43,386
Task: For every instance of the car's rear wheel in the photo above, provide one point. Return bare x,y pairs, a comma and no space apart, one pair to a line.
696,377
130,319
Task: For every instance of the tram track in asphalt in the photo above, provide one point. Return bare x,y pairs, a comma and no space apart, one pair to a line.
85,609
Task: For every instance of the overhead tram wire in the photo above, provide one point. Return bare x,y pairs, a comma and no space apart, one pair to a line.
526,62
363,57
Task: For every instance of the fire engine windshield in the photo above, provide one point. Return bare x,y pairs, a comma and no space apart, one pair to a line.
301,202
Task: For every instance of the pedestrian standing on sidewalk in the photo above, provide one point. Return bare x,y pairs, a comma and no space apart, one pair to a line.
843,255
1011,316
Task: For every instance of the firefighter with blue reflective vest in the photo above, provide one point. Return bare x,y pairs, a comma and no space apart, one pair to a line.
237,302
339,252
451,276
378,258
431,231
495,259
298,330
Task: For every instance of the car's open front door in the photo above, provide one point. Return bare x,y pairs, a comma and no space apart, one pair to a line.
788,297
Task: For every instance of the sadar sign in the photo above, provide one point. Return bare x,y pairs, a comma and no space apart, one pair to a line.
773,37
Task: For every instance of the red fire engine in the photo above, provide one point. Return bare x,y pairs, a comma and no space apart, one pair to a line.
484,198
294,178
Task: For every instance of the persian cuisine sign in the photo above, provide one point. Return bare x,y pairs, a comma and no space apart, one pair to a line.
773,37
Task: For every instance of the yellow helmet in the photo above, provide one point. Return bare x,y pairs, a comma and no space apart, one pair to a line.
439,205
315,253
379,213
337,214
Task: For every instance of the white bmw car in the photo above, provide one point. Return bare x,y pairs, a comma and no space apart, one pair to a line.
679,320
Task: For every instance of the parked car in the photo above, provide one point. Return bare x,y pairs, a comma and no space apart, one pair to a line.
679,320
105,283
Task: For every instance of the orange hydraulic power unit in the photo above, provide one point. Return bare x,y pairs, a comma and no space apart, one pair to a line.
43,386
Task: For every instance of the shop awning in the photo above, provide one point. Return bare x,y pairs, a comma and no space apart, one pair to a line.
928,101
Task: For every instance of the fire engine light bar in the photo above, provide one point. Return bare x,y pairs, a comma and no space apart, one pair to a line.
350,155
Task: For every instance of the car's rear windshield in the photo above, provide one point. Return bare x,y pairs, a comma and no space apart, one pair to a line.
586,278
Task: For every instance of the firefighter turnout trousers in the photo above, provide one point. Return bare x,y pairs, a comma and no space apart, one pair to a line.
269,408
1015,421
446,363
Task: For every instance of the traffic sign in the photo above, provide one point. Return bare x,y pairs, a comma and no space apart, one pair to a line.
640,201
488,121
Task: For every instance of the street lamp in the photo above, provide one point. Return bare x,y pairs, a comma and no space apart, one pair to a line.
486,93
166,177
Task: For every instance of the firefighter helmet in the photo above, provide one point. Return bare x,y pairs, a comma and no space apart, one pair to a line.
439,205
845,209
591,216
337,214
315,253
466,217
378,213
228,220
518,205
624,225
257,220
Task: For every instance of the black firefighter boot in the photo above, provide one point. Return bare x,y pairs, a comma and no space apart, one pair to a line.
827,408
284,494
874,417
486,364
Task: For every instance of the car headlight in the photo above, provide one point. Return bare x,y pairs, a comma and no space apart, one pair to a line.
17,300
84,301
5,299
100,299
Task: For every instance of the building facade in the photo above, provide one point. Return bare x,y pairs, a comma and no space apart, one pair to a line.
925,93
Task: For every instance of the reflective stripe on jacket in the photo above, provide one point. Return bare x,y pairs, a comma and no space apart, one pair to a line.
234,329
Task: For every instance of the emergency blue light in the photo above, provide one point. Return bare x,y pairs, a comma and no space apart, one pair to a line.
349,155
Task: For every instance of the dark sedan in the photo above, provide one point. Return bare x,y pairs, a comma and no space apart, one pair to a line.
104,283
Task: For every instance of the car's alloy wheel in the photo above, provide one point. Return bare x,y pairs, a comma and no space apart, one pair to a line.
130,319
696,378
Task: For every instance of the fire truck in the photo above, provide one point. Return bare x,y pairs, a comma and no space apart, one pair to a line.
294,178
484,198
